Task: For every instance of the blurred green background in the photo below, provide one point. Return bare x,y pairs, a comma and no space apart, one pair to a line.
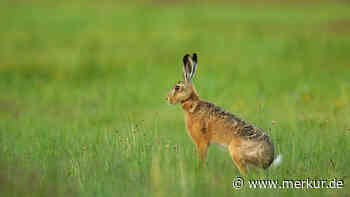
83,86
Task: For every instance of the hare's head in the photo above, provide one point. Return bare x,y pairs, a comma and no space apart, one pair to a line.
184,89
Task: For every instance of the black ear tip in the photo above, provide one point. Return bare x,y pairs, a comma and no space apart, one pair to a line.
194,57
185,58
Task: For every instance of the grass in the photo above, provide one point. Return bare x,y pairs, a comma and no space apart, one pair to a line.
83,86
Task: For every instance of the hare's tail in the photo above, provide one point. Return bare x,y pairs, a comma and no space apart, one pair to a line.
277,161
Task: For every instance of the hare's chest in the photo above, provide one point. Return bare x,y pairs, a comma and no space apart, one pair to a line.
197,126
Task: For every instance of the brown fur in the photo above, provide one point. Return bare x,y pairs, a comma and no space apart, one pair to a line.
207,123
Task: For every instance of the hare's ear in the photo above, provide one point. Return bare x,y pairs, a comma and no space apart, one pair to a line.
194,64
187,67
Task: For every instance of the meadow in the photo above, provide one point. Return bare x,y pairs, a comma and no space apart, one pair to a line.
83,86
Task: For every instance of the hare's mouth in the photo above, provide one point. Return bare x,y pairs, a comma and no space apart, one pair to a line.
171,101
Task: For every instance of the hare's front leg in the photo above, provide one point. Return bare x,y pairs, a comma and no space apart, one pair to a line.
202,148
198,131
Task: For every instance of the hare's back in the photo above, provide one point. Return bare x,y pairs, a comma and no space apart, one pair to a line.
224,121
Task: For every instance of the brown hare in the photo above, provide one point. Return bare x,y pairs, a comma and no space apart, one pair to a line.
207,123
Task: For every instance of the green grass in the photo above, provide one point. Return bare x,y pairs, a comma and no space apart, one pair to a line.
82,95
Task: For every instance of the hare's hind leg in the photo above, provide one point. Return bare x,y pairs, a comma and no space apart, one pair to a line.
237,158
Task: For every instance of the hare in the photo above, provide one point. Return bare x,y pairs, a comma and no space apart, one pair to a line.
207,123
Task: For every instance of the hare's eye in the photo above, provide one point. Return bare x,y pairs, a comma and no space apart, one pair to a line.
177,87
